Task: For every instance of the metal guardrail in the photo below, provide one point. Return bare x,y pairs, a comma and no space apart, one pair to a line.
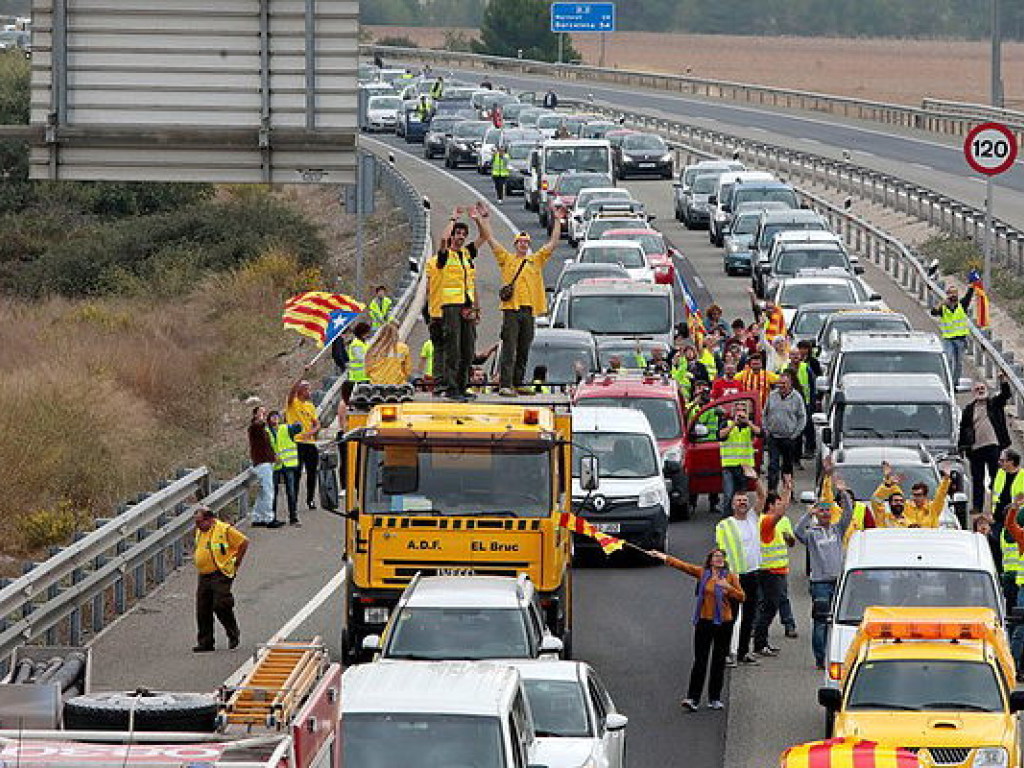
105,572
934,119
980,112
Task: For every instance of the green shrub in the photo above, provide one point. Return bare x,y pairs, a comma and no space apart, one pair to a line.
46,527
956,255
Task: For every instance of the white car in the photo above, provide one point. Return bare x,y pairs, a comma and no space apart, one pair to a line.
821,287
626,253
548,124
574,717
382,112
598,225
577,218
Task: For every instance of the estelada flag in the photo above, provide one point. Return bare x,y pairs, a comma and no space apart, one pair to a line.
847,753
578,525
981,315
310,313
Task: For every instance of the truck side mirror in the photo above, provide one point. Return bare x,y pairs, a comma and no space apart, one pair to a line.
589,475
372,643
832,698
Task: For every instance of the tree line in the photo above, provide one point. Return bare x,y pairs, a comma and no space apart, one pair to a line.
967,19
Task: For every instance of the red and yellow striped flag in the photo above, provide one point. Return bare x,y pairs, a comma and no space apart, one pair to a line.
578,525
310,313
981,316
847,753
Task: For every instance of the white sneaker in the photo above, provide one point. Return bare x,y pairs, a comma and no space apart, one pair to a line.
689,705
716,704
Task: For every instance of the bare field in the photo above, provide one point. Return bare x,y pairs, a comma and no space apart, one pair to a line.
898,71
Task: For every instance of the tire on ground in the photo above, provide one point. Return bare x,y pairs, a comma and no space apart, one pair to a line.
154,711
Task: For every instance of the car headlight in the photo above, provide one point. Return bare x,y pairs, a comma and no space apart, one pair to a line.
649,498
667,157
461,145
375,615
627,158
990,757
672,454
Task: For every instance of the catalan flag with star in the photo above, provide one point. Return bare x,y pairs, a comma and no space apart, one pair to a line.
578,525
847,753
981,313
320,315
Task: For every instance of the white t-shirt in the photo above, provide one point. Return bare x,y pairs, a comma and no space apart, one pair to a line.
750,540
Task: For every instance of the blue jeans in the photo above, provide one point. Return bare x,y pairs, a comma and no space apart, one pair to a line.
289,476
785,608
733,482
821,591
1017,640
263,510
954,349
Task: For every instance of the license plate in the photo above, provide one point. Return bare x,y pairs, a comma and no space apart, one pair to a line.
647,165
456,572
607,527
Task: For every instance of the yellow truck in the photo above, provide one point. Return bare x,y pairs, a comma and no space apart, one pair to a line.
456,489
938,682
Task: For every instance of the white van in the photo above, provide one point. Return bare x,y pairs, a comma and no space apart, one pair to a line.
435,714
558,156
717,203
908,567
618,481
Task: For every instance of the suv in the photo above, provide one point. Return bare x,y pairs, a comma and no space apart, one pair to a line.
693,207
658,399
577,219
644,311
682,186
659,254
789,257
719,202
436,715
774,222
820,286
838,324
739,243
465,617
628,498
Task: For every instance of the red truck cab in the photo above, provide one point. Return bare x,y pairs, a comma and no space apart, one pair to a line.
702,464
657,397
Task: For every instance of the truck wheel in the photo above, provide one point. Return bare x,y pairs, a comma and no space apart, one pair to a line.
153,711
680,509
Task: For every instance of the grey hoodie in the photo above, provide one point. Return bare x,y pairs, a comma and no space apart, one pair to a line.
784,416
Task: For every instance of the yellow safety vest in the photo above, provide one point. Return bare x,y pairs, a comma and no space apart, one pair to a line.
284,447
803,378
427,353
499,165
684,379
357,360
708,360
727,538
458,278
860,510
1012,560
737,449
953,323
776,554
1016,489
380,311
219,547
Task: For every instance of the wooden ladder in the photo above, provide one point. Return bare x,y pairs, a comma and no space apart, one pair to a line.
280,680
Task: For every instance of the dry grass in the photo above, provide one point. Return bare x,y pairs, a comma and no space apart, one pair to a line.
899,71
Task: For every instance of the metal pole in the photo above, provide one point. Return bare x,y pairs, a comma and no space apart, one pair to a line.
601,62
988,233
997,58
561,37
360,215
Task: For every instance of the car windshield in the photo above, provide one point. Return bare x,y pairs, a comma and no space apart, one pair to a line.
914,587
441,125
723,192
896,420
619,454
436,480
471,130
745,194
621,315
599,226
569,278
892,361
651,242
790,261
630,258
796,294
704,185
570,184
771,230
745,224
384,102
529,116
863,479
661,412
644,141
520,151
881,324
586,196
565,364
549,121
493,136
433,634
926,685
381,740
808,322
583,159
558,708
596,130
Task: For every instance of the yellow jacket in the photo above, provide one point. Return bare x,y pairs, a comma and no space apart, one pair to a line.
924,515
828,496
217,548
433,289
528,289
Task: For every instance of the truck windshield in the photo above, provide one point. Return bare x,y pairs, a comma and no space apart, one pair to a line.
436,634
619,454
890,361
621,315
662,413
381,740
583,159
911,420
490,479
910,587
926,685
558,708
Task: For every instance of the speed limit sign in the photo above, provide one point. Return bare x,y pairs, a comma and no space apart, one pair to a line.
990,148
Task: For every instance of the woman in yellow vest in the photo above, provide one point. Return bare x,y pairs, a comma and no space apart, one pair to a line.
286,464
388,360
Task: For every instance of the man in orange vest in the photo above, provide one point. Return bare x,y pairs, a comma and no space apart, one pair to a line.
219,551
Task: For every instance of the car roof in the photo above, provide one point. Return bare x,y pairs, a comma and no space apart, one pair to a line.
605,419
893,388
629,231
777,215
467,592
602,243
429,687
855,341
620,385
594,266
605,287
874,455
563,337
550,669
917,548
862,313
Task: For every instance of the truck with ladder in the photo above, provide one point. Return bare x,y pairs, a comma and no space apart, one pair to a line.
441,488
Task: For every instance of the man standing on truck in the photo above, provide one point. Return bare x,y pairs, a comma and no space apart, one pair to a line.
455,265
522,297
954,326
219,551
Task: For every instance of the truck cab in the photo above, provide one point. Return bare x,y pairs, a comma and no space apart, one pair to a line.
455,489
939,683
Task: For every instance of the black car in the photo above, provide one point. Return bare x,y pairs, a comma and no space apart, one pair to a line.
463,143
643,153
435,138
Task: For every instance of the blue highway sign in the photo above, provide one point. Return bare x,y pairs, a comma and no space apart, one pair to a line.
583,17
